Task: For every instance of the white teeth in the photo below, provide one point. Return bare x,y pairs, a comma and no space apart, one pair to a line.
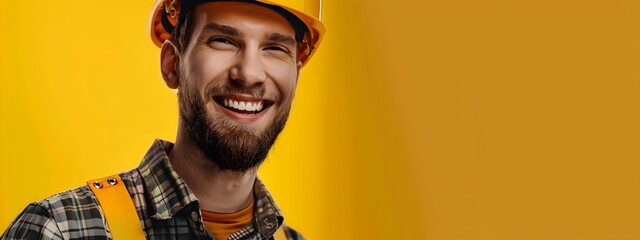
245,106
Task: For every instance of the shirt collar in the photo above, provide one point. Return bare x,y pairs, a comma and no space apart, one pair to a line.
169,193
267,215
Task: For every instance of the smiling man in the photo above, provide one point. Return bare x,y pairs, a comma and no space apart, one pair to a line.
235,65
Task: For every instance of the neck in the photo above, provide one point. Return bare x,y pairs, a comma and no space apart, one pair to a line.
217,190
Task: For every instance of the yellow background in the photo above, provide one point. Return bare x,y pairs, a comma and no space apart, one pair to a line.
441,119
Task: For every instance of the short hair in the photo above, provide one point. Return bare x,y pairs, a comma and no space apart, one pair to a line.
181,34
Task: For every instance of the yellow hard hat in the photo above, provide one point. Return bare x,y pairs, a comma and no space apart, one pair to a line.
165,15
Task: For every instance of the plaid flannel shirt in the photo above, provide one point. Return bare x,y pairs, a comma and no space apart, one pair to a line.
167,209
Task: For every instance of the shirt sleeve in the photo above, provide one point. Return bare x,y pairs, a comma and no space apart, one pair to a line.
34,222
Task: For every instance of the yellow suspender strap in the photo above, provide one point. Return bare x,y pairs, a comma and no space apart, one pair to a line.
117,207
120,213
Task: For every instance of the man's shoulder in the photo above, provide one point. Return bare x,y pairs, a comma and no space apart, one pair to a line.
77,200
73,213
70,200
54,217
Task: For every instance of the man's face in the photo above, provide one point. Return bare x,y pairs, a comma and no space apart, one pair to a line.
237,80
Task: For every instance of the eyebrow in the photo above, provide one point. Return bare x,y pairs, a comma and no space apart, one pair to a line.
277,37
229,30
214,27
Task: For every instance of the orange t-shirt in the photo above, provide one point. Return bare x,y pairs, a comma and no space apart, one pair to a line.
222,225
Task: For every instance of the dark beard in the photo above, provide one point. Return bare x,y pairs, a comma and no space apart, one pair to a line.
228,146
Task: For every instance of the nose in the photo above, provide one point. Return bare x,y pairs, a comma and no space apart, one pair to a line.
248,69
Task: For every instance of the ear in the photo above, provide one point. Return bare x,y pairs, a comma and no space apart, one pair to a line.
168,56
298,66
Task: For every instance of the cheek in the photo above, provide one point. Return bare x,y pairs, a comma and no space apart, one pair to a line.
207,70
285,78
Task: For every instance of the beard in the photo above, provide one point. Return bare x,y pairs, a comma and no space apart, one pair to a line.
227,145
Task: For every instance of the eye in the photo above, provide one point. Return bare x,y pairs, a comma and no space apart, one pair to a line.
277,48
221,40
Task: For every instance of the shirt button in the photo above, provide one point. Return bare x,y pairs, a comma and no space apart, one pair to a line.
194,216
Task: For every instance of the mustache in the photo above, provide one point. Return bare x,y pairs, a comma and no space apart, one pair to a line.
257,91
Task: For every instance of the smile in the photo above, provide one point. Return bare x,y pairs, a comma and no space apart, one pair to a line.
242,106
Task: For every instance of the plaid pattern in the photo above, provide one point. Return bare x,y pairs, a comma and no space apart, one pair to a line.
167,209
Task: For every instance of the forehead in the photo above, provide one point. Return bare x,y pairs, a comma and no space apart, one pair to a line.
241,15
